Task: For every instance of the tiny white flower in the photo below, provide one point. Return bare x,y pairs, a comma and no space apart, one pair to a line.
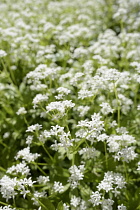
58,187
26,155
96,198
2,53
19,168
138,166
34,128
37,195
43,179
21,111
6,208
75,201
106,108
107,204
65,206
138,107
121,207
76,175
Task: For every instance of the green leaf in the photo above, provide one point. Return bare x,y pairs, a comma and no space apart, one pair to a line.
46,204
60,206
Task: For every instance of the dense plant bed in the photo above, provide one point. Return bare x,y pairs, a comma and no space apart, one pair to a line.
70,104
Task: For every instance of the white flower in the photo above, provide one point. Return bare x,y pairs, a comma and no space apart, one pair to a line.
88,66
58,187
76,175
121,207
102,137
79,52
43,179
39,98
111,181
100,59
93,128
106,108
83,110
78,203
44,136
109,74
85,94
21,111
107,204
2,53
38,195
77,77
29,140
60,106
122,130
19,168
121,12
7,208
26,182
89,153
8,187
116,142
26,155
113,124
62,92
65,206
33,128
41,72
138,107
127,154
6,135
75,201
138,166
96,198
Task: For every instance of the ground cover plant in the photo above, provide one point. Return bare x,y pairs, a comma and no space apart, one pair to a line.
70,104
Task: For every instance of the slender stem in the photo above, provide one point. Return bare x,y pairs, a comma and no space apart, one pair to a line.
73,159
118,105
4,144
2,169
47,152
3,203
106,156
26,121
42,164
8,74
5,69
40,169
126,174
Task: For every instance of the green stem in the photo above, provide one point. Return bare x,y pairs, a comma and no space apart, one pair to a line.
40,169
8,74
118,105
3,203
106,156
4,144
47,152
73,159
26,121
83,140
6,71
42,164
2,169
125,168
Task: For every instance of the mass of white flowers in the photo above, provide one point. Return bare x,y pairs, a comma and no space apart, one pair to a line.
69,104
76,174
